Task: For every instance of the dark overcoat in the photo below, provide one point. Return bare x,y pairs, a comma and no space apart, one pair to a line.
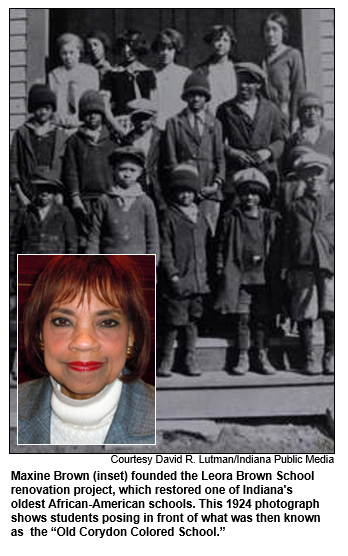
229,260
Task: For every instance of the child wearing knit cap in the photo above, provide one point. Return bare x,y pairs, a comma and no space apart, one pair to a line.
87,171
247,255
183,270
37,144
124,218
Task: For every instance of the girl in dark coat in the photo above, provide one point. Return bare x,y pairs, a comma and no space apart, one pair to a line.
37,144
247,250
183,270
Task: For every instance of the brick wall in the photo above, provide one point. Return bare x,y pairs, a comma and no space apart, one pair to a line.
327,31
18,67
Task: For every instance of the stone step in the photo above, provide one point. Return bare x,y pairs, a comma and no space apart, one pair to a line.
219,354
218,395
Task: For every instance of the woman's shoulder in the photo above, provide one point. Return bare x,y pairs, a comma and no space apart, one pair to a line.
30,392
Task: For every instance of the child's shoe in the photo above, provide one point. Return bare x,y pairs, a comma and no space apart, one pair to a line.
328,363
242,366
310,366
165,368
191,367
263,364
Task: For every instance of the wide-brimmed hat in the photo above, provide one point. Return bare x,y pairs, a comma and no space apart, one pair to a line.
251,69
251,177
196,83
45,177
184,176
128,153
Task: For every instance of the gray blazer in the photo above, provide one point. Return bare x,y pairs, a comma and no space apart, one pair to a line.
133,422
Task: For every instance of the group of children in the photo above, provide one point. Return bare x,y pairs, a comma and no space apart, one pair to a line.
212,196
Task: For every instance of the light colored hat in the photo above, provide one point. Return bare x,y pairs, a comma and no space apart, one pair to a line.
312,159
248,176
141,108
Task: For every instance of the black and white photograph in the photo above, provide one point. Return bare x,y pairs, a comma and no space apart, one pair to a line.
199,145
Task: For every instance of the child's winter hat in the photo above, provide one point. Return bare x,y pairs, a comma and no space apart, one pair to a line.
40,95
91,101
251,177
128,153
185,176
309,99
196,83
45,177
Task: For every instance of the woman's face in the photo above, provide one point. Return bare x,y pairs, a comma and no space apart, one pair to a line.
127,54
85,345
95,49
70,54
166,54
273,34
222,45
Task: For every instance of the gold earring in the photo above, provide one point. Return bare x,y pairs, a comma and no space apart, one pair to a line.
42,347
130,351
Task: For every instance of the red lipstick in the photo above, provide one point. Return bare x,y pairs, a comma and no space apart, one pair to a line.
85,366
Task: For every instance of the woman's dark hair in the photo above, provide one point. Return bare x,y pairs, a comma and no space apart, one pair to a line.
168,37
102,37
279,18
113,279
216,31
135,39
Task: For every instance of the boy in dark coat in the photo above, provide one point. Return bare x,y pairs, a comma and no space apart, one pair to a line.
146,136
194,136
45,226
309,259
183,269
37,144
252,127
87,171
247,251
124,219
312,133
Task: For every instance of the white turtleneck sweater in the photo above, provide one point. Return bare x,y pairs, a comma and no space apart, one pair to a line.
83,421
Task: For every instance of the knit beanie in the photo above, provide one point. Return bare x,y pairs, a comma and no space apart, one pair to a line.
91,101
39,95
185,176
196,83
